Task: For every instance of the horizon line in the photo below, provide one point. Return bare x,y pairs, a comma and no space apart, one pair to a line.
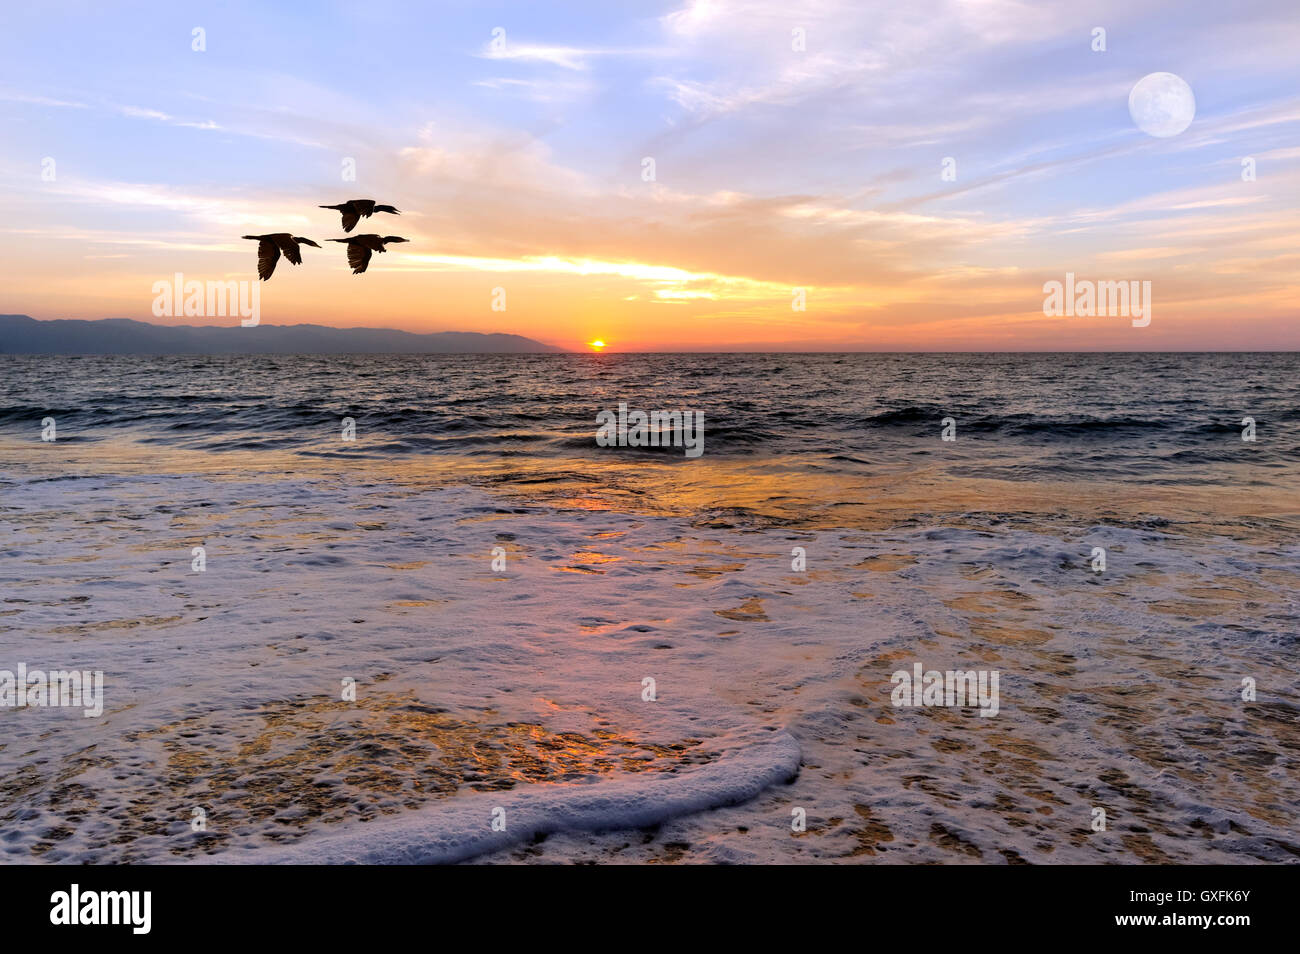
566,350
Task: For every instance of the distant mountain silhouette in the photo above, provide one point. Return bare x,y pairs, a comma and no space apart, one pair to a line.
20,334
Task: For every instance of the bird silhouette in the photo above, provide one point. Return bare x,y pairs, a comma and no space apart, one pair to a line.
355,209
271,245
360,247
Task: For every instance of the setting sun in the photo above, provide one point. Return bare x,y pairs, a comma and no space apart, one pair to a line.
596,345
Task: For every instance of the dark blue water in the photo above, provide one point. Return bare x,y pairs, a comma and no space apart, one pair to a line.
1152,417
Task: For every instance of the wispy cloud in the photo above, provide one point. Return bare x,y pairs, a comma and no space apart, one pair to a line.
538,90
567,57
11,96
137,112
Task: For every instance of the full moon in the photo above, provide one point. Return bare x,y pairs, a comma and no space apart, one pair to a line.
1162,105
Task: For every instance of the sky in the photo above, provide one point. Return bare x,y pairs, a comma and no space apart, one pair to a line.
798,156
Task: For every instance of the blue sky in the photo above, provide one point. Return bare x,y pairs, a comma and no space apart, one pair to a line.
520,166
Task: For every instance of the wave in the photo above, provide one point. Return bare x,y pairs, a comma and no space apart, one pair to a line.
831,411
461,827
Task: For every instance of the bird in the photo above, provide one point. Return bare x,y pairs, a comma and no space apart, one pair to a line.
271,245
356,209
360,247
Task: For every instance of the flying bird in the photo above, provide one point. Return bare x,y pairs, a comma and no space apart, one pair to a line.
355,209
360,247
270,246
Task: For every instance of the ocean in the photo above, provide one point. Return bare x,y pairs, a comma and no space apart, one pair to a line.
432,618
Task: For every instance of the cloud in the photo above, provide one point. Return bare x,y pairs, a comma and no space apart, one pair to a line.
137,112
538,90
10,96
567,57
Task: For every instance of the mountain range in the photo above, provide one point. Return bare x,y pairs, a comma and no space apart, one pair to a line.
21,334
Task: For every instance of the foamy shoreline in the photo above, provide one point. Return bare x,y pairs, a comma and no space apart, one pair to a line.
222,688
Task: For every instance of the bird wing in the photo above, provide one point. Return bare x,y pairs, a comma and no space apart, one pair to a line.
290,249
358,257
364,206
350,219
268,253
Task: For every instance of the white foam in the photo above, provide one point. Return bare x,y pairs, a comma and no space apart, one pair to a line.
461,828
1104,702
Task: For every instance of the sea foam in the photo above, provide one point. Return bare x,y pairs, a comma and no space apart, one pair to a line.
461,828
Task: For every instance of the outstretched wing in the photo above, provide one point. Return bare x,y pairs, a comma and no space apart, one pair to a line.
268,253
350,219
363,206
358,257
290,249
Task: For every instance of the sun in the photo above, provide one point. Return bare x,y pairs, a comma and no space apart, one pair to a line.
596,345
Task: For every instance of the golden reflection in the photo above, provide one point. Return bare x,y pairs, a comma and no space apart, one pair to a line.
724,493
319,761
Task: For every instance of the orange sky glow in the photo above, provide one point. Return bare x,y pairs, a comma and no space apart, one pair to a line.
797,198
